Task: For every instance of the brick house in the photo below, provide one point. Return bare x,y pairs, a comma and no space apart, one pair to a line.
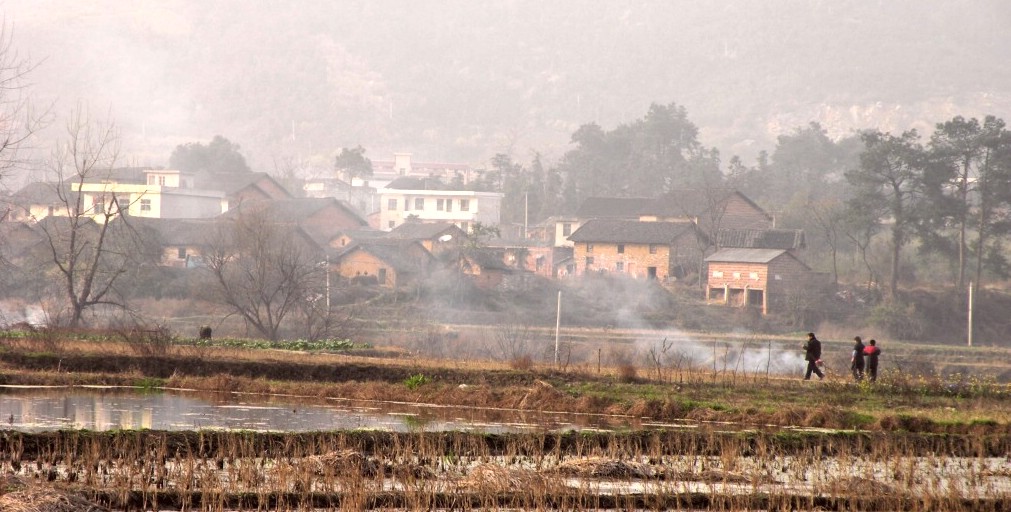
711,210
754,277
437,237
790,239
387,263
651,250
324,217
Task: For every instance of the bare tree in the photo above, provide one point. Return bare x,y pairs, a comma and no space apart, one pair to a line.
828,216
264,271
90,252
18,119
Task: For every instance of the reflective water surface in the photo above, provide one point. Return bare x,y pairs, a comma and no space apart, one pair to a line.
36,409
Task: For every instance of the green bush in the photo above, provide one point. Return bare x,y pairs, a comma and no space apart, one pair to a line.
415,380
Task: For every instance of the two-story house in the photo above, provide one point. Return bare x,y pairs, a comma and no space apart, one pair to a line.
755,277
431,200
170,193
652,250
157,193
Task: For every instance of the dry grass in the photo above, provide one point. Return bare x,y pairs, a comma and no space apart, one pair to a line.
19,496
600,467
495,478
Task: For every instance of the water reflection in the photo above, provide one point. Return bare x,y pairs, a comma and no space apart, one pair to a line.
36,409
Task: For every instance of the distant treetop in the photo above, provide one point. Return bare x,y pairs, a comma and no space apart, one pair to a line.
220,156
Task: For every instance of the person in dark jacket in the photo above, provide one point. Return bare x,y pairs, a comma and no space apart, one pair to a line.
812,354
871,352
857,359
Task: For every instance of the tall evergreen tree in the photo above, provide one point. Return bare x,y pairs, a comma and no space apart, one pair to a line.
891,175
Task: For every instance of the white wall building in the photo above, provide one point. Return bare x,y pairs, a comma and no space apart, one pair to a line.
424,201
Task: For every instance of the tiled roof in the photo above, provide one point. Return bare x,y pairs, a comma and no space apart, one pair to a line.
393,252
612,207
293,210
40,193
676,203
761,238
489,259
629,231
232,182
423,230
745,255
413,183
179,231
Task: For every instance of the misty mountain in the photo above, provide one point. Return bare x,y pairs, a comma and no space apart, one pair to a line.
463,80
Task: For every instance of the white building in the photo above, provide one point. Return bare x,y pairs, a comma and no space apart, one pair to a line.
430,200
156,193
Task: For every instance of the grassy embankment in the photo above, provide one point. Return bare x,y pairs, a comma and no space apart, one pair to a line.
927,402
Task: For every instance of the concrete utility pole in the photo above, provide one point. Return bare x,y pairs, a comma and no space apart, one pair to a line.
558,323
969,337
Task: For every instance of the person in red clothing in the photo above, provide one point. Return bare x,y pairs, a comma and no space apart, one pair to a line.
871,353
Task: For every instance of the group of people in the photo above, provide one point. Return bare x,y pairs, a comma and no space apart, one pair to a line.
863,359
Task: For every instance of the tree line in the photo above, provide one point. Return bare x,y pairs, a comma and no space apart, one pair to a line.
947,196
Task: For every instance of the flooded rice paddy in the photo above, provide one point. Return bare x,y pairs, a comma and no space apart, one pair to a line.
39,409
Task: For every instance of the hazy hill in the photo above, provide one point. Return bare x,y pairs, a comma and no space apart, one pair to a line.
462,80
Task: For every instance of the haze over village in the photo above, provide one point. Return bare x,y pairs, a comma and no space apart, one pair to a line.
292,170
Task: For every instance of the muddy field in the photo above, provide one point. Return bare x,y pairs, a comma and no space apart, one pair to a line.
375,470
756,442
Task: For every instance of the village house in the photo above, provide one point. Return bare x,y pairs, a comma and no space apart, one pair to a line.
403,165
363,198
155,193
650,250
485,267
789,239
387,263
183,241
346,237
409,199
38,200
711,210
324,218
170,193
554,230
437,237
754,277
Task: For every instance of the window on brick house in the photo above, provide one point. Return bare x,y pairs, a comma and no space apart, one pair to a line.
589,247
589,261
621,248
619,266
652,248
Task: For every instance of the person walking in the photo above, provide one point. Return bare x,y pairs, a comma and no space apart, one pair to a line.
871,352
857,359
812,354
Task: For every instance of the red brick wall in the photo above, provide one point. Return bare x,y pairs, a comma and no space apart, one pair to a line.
636,259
